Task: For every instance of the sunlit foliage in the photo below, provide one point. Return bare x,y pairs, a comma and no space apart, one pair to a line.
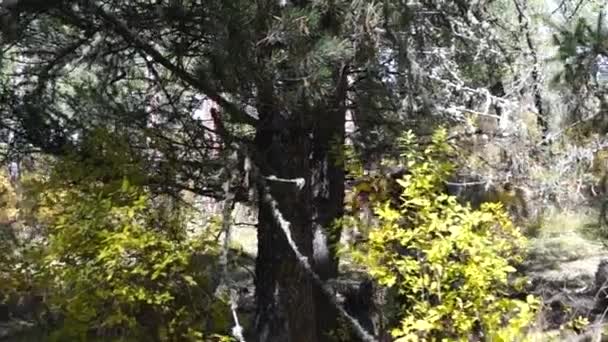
115,263
450,265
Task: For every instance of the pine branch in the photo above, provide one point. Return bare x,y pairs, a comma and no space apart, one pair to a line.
238,115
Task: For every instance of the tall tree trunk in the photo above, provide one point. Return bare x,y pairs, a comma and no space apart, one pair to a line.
327,182
284,292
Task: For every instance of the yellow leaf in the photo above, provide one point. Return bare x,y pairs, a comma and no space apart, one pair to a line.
190,280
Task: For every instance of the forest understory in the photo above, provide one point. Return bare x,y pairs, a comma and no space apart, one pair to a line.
303,170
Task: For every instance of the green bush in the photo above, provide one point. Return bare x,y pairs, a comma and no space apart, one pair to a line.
449,264
114,263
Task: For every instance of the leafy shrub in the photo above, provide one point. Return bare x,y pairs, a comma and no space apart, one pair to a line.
115,264
449,264
7,245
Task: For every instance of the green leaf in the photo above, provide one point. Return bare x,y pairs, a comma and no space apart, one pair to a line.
125,185
189,280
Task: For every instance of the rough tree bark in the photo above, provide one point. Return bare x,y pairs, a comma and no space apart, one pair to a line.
287,151
285,310
327,182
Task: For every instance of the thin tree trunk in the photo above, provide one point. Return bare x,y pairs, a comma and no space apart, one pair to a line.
524,22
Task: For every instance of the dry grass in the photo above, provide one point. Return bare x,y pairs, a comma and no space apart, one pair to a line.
564,255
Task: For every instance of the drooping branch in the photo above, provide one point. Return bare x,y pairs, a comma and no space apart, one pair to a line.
120,27
128,35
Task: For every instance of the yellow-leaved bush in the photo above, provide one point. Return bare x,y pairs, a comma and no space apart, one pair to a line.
451,267
114,263
9,247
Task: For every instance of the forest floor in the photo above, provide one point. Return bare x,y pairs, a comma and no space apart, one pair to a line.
563,259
